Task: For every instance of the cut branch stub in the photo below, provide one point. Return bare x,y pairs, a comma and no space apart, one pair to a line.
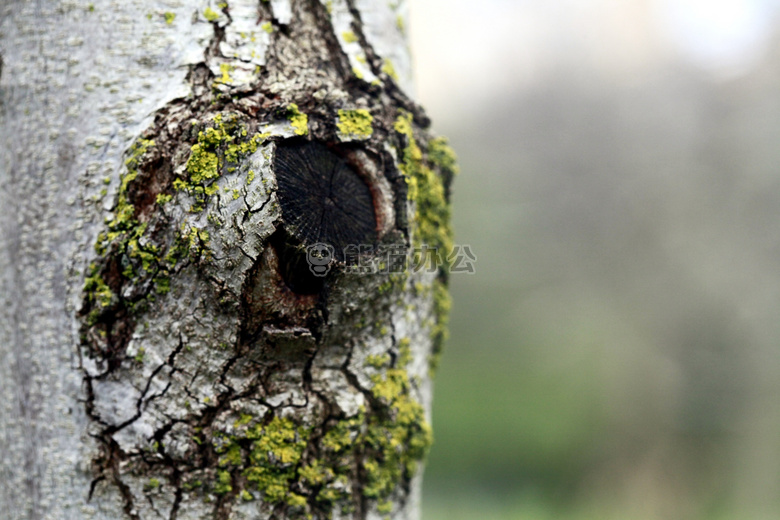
323,199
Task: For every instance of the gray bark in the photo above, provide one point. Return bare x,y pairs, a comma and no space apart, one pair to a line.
164,350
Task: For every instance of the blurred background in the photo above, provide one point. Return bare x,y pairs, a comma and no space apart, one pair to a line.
617,353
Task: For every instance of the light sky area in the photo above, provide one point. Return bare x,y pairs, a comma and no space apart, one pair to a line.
720,34
466,56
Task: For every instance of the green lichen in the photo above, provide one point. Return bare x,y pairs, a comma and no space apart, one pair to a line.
153,484
220,147
432,214
98,294
397,437
355,123
384,507
442,304
267,27
268,457
399,22
124,221
291,464
389,69
169,17
298,120
162,284
404,351
442,155
123,232
224,483
210,14
225,69
426,191
378,360
349,37
357,73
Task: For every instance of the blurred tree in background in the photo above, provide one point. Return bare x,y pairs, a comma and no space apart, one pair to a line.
616,354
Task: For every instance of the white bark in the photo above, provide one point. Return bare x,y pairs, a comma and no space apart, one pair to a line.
104,404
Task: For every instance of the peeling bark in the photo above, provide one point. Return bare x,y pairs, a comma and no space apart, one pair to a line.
167,347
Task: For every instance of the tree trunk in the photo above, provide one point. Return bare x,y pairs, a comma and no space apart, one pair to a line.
188,328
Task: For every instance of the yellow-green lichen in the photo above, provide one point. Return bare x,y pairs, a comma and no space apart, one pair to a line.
169,17
267,27
383,443
398,440
404,351
298,120
153,483
210,14
384,507
378,360
355,123
432,213
389,69
349,36
125,231
267,455
162,284
426,190
219,148
123,221
399,22
441,154
225,69
97,292
441,309
224,483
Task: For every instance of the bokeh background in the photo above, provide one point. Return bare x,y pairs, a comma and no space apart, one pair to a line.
617,353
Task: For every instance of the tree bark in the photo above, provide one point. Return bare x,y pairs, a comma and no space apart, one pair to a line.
182,334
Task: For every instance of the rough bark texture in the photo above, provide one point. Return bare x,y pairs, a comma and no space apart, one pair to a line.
165,351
